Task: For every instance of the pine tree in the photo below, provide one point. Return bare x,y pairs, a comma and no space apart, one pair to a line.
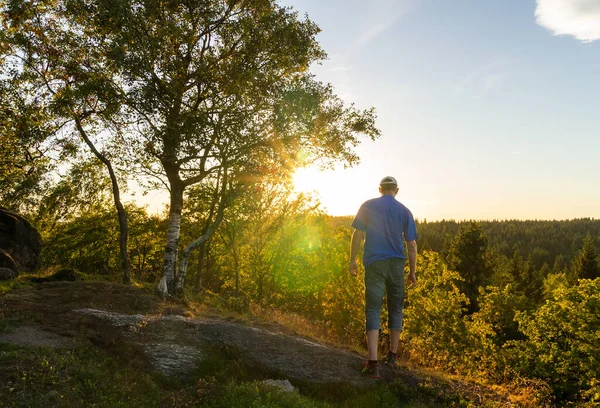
467,256
586,264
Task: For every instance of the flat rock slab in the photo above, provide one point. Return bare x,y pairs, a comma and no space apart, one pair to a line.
34,337
175,344
173,359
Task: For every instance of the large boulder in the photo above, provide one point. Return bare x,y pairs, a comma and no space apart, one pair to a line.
6,261
20,241
7,274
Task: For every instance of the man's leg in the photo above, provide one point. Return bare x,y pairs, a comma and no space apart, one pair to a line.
395,298
374,291
372,343
394,340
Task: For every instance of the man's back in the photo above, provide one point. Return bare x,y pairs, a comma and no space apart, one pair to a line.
386,222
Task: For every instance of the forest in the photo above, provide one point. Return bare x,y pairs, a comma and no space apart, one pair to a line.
213,102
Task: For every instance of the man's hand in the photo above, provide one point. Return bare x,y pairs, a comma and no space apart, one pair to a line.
412,278
353,267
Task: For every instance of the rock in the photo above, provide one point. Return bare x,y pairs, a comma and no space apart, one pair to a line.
19,239
116,319
283,385
6,261
35,337
7,274
174,345
173,359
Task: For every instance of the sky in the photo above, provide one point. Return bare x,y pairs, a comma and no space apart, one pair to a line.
488,109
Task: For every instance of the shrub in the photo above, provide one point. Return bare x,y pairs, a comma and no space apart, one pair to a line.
434,329
563,345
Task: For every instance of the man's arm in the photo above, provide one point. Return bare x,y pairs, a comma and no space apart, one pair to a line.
357,237
411,247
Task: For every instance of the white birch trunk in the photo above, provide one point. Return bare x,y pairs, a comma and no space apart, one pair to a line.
166,283
185,256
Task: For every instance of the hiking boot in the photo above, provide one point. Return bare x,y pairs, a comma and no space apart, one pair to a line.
371,370
391,359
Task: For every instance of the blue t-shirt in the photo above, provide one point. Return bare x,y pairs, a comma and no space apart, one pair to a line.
385,221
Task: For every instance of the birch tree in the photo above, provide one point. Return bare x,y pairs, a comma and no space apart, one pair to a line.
212,84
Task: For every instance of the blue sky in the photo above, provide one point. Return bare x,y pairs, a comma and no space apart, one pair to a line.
485,112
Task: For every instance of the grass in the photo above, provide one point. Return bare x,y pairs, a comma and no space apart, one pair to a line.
86,376
18,283
77,377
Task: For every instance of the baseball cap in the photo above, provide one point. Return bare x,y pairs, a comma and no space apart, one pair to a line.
388,180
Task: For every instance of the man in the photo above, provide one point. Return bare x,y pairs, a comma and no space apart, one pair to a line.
385,222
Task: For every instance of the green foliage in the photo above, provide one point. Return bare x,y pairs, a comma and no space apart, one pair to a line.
11,284
146,244
185,93
84,188
467,256
489,329
89,243
553,242
563,342
24,163
434,330
587,263
553,282
343,306
526,281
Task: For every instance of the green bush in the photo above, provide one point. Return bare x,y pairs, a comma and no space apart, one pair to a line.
563,346
490,328
434,330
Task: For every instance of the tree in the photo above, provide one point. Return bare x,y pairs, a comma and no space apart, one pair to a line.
586,264
82,189
203,86
49,56
24,161
467,256
214,85
224,85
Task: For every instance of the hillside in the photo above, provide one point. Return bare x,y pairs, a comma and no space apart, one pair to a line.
83,343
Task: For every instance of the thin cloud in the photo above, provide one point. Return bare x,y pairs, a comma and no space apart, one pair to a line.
491,81
339,68
486,78
377,28
578,18
382,15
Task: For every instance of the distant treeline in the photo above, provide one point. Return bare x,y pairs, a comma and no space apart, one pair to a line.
539,241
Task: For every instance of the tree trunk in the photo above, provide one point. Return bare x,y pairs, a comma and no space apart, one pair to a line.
236,265
122,214
201,254
166,284
208,233
124,231
185,256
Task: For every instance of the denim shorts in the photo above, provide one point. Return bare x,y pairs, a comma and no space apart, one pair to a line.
381,276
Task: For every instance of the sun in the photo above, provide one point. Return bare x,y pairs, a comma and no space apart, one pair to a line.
305,180
333,188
